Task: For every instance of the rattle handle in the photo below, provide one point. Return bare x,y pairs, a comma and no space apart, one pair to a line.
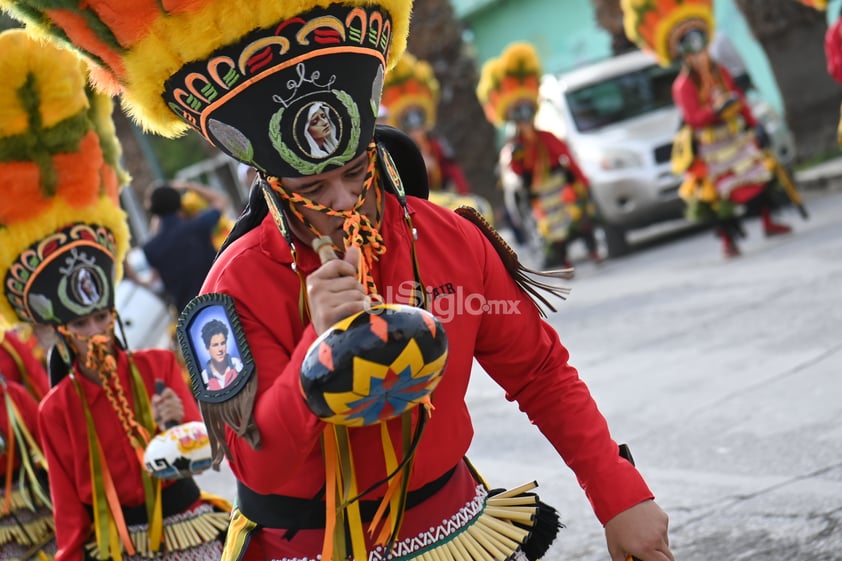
160,386
323,246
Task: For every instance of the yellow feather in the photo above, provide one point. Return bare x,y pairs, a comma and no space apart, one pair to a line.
61,91
172,41
59,81
15,70
521,56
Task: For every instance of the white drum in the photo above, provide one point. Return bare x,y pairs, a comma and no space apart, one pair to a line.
180,451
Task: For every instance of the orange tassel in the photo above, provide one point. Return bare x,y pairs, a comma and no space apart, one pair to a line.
114,504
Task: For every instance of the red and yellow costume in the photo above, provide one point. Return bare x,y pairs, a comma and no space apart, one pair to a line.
18,363
257,271
729,161
61,250
26,520
720,148
549,157
65,435
548,173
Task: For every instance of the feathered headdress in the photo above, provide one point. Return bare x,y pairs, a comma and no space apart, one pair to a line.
411,94
817,4
658,26
512,78
246,75
63,234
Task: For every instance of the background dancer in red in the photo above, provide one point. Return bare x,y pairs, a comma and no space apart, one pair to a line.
548,175
63,243
720,149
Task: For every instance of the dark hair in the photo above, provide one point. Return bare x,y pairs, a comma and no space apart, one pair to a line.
164,200
211,328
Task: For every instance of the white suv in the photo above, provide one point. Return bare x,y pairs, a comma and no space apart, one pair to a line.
619,119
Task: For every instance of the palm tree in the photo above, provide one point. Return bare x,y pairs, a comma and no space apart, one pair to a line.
436,36
792,35
609,16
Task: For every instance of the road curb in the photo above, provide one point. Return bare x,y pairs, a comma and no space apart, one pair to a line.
825,176
820,183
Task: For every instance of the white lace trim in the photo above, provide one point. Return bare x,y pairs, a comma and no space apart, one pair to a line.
448,527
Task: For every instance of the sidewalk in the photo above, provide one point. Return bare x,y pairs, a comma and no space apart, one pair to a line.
827,175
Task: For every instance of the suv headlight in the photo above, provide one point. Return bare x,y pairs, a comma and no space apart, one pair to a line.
611,160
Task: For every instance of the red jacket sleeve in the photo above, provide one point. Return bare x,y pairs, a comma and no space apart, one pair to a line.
16,355
288,429
28,409
833,50
548,389
72,522
561,152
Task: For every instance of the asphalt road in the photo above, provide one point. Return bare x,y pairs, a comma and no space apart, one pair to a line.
725,378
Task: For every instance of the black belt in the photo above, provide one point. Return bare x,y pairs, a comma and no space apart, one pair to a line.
175,499
282,512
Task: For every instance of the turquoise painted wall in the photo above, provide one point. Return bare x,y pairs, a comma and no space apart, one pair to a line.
566,35
563,31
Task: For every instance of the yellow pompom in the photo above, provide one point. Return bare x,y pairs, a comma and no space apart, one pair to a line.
137,48
505,81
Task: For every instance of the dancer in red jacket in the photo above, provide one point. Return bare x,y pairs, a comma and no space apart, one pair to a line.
64,239
547,172
722,146
26,518
356,481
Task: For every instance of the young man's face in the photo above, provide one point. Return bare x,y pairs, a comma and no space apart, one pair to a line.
218,347
338,189
82,329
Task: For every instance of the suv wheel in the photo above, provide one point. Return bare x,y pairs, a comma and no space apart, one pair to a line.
615,240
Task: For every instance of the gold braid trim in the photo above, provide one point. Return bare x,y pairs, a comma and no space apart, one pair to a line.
20,501
34,531
181,532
